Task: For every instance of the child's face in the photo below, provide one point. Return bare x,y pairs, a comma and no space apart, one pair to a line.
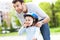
29,20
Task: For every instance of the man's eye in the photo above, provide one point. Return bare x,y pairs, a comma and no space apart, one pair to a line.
17,5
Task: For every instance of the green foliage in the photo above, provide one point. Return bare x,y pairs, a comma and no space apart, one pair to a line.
17,21
58,18
0,29
27,1
4,24
56,11
57,6
53,10
55,30
12,12
45,6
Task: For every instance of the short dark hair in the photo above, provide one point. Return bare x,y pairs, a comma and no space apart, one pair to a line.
14,1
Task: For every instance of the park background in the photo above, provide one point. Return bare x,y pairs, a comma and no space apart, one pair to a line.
9,23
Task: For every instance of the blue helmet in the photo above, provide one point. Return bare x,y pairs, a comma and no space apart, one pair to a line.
32,14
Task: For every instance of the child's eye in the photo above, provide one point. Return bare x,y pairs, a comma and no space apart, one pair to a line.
28,20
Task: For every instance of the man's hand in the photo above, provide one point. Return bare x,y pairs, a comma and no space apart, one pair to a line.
39,24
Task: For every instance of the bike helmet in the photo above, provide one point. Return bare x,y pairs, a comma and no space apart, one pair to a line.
33,15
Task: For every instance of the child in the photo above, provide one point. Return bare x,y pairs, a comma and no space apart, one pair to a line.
29,26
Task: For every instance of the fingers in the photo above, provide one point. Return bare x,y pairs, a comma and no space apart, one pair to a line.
39,24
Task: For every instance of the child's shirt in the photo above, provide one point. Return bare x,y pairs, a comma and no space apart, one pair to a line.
32,32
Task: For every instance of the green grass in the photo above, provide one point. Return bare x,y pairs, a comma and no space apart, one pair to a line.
10,34
52,31
55,30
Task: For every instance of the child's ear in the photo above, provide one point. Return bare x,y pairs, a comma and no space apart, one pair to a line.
34,20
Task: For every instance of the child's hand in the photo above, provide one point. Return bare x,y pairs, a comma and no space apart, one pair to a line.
25,24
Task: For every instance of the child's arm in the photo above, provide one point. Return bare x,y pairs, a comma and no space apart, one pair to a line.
21,30
36,35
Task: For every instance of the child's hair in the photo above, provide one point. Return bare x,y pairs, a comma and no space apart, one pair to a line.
33,15
14,1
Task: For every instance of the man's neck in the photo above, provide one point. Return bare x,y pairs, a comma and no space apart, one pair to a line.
19,13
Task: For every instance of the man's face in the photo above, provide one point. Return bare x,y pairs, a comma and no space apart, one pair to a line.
18,7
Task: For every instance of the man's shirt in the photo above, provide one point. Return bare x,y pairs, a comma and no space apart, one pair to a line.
31,7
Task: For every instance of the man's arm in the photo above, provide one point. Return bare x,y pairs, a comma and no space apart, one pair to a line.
46,20
40,12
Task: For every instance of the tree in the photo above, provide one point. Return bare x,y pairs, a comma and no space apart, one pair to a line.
57,12
53,11
27,0
47,8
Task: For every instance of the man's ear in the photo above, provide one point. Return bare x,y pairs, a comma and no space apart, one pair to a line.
24,7
23,3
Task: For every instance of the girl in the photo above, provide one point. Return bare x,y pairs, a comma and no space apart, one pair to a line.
29,26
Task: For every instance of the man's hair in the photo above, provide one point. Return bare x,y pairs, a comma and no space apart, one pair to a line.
14,1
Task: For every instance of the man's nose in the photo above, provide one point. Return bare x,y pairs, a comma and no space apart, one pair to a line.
16,8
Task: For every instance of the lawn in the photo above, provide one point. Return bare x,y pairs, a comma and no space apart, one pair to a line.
52,31
55,30
10,34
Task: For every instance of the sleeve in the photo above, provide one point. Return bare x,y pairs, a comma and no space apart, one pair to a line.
38,10
21,30
37,33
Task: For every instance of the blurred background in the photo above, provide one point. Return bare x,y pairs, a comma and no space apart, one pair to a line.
9,23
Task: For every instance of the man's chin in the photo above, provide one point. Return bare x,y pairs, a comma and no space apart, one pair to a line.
18,12
24,11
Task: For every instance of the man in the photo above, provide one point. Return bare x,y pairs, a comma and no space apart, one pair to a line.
22,8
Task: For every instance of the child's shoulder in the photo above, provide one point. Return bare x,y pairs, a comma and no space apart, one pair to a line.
33,27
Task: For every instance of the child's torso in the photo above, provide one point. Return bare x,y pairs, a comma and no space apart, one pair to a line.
31,32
